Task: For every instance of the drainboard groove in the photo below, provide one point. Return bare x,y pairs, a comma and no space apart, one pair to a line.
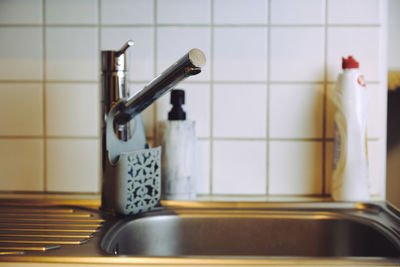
11,219
50,230
57,242
47,215
28,248
11,253
69,225
36,210
47,236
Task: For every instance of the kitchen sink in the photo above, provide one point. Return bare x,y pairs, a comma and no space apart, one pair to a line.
202,229
201,233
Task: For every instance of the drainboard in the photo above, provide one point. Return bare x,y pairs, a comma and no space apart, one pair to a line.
24,229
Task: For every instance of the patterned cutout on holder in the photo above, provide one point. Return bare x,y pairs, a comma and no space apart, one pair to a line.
144,181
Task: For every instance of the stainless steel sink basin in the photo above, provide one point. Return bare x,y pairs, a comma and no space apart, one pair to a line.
259,230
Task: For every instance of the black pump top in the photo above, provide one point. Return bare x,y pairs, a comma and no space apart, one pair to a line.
177,100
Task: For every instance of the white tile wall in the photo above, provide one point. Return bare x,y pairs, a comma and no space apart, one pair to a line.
198,102
240,12
239,114
264,118
295,168
296,117
298,12
80,121
126,12
203,163
21,12
240,54
72,12
239,167
72,165
21,53
22,166
184,12
297,54
355,11
17,102
72,54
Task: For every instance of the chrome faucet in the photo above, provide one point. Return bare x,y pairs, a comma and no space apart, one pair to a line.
117,102
189,65
122,126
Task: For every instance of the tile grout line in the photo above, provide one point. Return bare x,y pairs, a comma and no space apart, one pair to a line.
44,96
324,104
268,85
211,145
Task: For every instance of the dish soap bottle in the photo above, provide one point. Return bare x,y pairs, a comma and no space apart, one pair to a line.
178,139
350,181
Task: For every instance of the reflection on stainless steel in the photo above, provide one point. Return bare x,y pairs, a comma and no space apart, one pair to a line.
8,253
42,229
22,249
9,210
48,241
48,235
44,215
45,219
4,223
114,67
290,232
89,230
247,233
189,65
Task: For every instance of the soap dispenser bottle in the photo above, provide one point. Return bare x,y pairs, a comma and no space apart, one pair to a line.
178,139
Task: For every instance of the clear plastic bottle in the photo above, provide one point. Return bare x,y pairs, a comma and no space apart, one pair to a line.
350,181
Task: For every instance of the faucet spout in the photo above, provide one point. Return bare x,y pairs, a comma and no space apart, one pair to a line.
189,65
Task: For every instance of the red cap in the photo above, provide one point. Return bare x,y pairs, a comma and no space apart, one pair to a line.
349,63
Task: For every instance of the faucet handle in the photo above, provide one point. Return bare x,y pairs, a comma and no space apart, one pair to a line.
112,60
128,44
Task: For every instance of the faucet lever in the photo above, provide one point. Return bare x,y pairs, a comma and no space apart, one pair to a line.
124,47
